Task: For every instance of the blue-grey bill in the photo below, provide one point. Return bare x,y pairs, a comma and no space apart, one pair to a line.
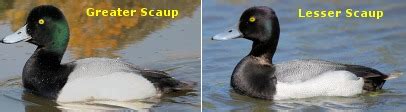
232,33
19,36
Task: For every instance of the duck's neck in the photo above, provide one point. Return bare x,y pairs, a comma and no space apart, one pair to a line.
42,60
265,50
46,57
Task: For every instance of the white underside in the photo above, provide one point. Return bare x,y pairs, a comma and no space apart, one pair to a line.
99,79
334,83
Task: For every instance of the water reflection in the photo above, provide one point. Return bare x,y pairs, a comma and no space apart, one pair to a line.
236,102
100,36
34,103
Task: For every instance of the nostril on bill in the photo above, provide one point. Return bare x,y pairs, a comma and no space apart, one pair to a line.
18,32
230,31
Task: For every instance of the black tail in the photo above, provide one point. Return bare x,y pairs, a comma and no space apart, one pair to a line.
373,79
166,83
374,83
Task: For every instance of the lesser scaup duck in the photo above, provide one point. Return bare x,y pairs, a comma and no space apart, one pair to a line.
84,79
256,75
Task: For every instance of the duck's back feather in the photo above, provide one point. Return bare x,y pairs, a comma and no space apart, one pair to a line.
96,67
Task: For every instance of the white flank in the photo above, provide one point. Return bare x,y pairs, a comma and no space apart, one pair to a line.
334,83
118,86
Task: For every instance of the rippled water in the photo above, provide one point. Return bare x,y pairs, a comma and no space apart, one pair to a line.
375,43
150,42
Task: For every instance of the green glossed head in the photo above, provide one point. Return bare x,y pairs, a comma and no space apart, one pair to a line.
46,27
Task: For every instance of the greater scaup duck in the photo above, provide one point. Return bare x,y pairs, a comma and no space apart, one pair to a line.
256,75
84,79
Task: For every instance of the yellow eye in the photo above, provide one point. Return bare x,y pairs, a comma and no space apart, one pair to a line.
252,19
41,21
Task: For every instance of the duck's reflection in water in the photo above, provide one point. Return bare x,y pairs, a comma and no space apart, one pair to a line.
34,103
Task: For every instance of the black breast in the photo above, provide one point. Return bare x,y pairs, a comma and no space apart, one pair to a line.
45,80
254,79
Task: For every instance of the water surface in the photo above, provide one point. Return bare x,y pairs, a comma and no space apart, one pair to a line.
171,45
374,43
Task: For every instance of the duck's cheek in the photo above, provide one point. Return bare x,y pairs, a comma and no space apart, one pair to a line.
19,36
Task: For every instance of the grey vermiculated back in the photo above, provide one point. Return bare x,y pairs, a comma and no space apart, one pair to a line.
305,69
95,67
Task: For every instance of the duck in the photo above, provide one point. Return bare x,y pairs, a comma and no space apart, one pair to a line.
257,76
89,79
